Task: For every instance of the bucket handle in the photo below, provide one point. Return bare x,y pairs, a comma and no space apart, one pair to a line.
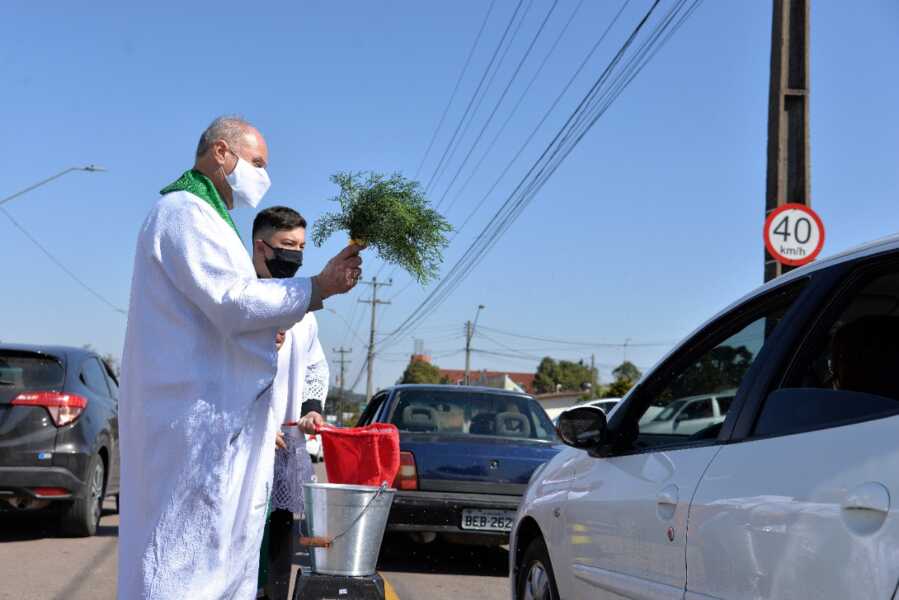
325,542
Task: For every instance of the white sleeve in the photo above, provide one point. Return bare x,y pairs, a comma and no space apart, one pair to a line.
318,374
190,252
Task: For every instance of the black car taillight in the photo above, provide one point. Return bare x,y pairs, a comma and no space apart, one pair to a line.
64,408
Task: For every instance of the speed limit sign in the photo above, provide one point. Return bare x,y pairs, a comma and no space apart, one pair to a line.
794,234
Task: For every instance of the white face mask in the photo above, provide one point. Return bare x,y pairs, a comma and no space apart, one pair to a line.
248,183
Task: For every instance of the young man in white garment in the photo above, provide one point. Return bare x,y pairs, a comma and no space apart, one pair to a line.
197,415
279,238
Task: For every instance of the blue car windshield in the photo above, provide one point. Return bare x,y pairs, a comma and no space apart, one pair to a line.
473,413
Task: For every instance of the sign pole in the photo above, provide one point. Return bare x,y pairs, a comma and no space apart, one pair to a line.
788,177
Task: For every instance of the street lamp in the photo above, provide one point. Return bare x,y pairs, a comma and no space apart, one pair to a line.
88,168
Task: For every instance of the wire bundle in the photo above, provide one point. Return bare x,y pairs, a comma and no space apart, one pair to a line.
625,65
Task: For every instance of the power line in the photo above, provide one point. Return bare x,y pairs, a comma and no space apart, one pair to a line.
59,263
483,95
533,132
477,90
474,46
446,110
518,104
573,342
571,133
546,115
499,102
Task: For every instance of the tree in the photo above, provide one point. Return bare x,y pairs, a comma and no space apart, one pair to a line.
562,375
420,371
547,376
627,370
113,363
719,369
626,375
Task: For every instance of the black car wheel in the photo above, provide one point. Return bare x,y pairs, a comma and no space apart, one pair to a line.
535,574
83,515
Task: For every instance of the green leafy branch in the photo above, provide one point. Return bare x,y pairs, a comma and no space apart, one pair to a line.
390,215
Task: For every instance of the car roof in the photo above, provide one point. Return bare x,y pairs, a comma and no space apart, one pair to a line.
443,387
49,350
880,246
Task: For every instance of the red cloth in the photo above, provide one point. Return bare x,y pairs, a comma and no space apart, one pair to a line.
367,455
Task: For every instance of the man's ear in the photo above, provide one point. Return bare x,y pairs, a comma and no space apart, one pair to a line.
259,248
220,151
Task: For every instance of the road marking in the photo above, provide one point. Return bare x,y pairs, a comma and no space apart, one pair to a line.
389,592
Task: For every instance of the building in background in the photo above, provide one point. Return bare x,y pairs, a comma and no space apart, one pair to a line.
556,402
504,380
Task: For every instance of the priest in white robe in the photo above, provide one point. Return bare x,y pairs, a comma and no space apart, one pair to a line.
197,424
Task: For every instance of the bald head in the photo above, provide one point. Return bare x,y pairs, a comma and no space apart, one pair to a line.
229,128
226,138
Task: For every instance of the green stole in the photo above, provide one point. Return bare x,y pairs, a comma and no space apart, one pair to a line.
201,186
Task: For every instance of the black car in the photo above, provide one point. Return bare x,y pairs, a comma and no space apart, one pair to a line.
59,446
466,455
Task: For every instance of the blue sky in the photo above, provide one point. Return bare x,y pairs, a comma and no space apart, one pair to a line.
651,225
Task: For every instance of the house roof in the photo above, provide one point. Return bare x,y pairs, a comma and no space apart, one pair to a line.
525,380
563,394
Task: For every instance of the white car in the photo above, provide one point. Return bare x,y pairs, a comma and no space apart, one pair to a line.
790,495
314,448
605,404
690,415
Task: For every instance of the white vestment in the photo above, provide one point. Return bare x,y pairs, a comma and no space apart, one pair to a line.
302,375
197,417
303,370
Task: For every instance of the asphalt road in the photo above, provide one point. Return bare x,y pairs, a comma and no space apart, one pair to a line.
440,571
37,564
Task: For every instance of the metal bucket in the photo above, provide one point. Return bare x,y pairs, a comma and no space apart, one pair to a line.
353,519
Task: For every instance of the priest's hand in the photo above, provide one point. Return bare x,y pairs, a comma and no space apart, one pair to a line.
341,273
279,441
309,423
279,339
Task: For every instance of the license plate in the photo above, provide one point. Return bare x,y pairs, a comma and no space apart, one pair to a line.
488,520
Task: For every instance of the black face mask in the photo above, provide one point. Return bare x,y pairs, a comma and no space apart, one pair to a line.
284,263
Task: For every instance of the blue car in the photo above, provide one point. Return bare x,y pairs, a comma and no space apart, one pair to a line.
467,454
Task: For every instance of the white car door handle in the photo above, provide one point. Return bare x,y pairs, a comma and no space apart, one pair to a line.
868,496
666,502
668,496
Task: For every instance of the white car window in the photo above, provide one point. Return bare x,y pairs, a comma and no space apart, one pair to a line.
846,371
683,403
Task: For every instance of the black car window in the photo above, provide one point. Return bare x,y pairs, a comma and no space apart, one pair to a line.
111,380
371,409
846,370
26,371
698,409
471,412
679,398
724,403
92,376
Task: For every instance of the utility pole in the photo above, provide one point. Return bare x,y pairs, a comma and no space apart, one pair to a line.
594,376
469,333
369,387
342,361
788,175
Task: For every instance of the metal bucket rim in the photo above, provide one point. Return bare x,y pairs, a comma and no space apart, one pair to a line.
347,487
